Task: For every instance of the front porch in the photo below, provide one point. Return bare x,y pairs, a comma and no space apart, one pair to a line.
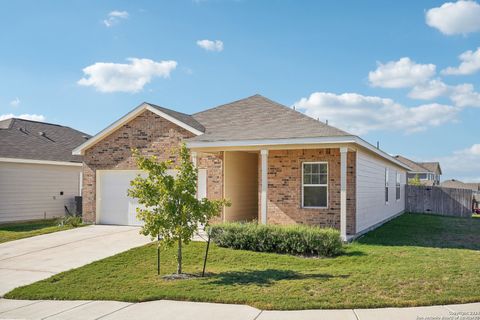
290,185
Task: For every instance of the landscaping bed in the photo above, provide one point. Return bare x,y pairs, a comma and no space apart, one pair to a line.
295,239
410,261
20,230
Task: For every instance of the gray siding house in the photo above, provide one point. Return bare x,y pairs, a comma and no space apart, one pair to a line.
428,172
39,176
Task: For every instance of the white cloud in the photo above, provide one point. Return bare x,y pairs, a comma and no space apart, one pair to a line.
34,117
473,150
400,74
360,114
15,102
210,45
429,90
114,18
462,164
470,63
120,77
464,95
461,17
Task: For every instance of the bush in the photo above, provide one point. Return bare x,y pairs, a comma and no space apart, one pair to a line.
296,239
72,221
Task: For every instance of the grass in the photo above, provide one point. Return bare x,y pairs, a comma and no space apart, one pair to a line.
410,261
20,230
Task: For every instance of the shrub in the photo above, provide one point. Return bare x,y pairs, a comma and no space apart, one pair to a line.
296,239
72,221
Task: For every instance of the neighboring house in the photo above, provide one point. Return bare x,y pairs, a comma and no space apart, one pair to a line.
427,172
39,176
457,184
275,164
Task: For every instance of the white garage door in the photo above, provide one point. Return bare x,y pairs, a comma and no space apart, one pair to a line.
114,206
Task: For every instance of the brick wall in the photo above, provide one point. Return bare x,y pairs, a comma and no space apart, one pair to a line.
148,132
351,192
214,165
285,182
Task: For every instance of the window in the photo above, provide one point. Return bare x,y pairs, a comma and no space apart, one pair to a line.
397,187
386,185
315,185
422,176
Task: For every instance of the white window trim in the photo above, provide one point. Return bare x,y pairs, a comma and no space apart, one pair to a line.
314,185
386,190
398,184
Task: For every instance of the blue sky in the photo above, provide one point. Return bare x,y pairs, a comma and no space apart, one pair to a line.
375,68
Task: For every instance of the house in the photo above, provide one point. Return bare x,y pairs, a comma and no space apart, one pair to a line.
427,172
275,164
39,176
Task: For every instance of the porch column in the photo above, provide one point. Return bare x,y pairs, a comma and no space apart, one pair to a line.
343,193
194,158
263,196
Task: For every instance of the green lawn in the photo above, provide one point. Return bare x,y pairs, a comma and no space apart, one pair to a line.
20,230
412,260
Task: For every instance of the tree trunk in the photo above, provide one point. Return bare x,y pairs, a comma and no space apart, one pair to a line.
179,257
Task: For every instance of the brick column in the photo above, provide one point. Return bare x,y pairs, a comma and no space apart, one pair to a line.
194,158
343,193
264,179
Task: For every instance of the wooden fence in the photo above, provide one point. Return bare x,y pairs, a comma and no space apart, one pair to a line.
438,200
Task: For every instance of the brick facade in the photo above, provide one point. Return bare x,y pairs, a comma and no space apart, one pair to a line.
153,135
214,165
284,203
351,192
148,132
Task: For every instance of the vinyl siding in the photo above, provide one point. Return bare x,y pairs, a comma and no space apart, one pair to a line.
32,191
371,206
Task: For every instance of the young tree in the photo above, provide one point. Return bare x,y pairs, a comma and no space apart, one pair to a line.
170,208
415,181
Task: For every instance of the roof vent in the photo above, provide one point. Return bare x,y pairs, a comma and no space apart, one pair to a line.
85,137
41,133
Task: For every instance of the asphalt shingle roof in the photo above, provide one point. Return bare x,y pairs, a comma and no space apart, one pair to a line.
431,166
258,118
25,139
185,118
415,166
475,186
457,184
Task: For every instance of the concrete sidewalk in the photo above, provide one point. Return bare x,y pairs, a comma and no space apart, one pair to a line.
178,310
32,259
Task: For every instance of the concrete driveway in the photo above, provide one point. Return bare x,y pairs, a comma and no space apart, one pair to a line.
32,259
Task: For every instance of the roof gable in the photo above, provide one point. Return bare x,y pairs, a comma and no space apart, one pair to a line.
181,119
432,166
